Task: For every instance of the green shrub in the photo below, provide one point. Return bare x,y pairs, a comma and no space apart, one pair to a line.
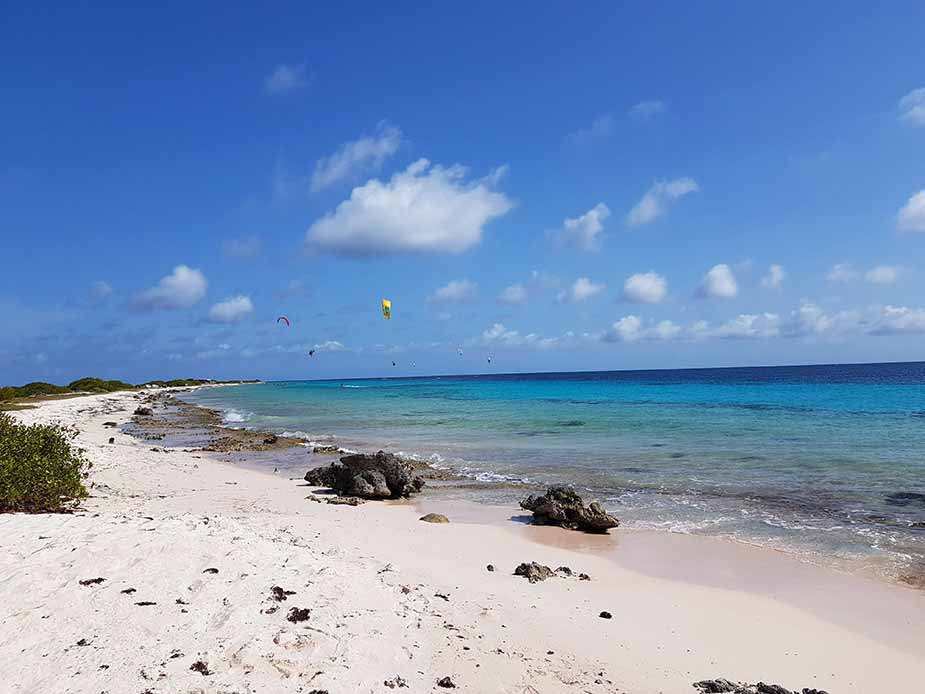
98,385
40,468
7,393
39,388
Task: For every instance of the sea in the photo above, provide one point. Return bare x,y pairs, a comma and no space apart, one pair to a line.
826,462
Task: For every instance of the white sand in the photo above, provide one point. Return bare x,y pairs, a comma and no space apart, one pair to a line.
371,575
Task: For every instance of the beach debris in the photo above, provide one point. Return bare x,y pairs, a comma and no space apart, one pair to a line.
490,567
378,476
112,439
180,601
144,412
534,572
319,691
82,642
605,615
724,686
396,682
200,667
563,506
298,614
91,581
210,570
110,424
434,518
446,683
176,653
279,594
442,596
145,603
127,591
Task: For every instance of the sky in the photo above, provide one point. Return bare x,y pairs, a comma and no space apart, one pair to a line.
550,186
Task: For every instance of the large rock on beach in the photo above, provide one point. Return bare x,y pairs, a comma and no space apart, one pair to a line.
379,476
563,506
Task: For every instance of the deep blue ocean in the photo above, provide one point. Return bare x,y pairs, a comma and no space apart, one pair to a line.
827,461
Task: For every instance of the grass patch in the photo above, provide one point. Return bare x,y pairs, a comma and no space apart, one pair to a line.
40,468
14,406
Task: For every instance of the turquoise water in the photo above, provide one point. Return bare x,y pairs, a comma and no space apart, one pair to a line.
823,460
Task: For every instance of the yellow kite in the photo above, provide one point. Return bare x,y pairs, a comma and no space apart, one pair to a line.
387,309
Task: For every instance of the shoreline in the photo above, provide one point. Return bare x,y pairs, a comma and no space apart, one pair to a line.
158,518
881,568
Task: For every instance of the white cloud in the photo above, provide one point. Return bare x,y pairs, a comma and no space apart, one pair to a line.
540,279
659,198
423,208
582,289
775,277
645,288
894,320
231,310
99,292
842,272
601,127
912,107
749,325
245,247
647,109
665,330
456,290
330,346
182,288
515,294
583,231
356,157
718,283
912,216
499,336
633,329
285,78
882,274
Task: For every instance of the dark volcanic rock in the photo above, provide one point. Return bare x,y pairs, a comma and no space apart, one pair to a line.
298,614
534,572
144,411
605,615
110,424
201,668
446,683
279,594
718,686
272,438
379,476
564,507
722,686
434,518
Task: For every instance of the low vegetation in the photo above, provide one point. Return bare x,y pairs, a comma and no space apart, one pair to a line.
40,468
39,389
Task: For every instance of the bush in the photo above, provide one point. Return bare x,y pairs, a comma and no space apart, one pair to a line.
98,385
40,469
7,393
39,388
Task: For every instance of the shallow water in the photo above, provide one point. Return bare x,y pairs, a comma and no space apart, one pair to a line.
827,460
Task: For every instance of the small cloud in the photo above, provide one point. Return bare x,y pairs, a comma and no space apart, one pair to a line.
40,358
421,209
842,272
285,78
912,216
582,289
645,110
645,288
746,326
100,292
293,288
583,232
775,277
183,288
882,274
231,310
659,198
330,346
718,283
358,156
515,294
245,247
540,279
912,107
601,127
456,290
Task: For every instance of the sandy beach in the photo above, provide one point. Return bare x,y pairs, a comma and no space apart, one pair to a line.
189,549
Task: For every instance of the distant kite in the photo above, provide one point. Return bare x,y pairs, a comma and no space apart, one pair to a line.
489,360
387,309
311,352
394,364
283,318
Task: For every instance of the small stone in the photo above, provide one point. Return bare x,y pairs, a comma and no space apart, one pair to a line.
584,577
564,570
298,614
112,439
200,667
91,581
534,572
279,594
434,518
490,567
605,615
210,570
446,683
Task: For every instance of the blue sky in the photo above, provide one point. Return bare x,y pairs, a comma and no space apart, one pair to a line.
555,187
